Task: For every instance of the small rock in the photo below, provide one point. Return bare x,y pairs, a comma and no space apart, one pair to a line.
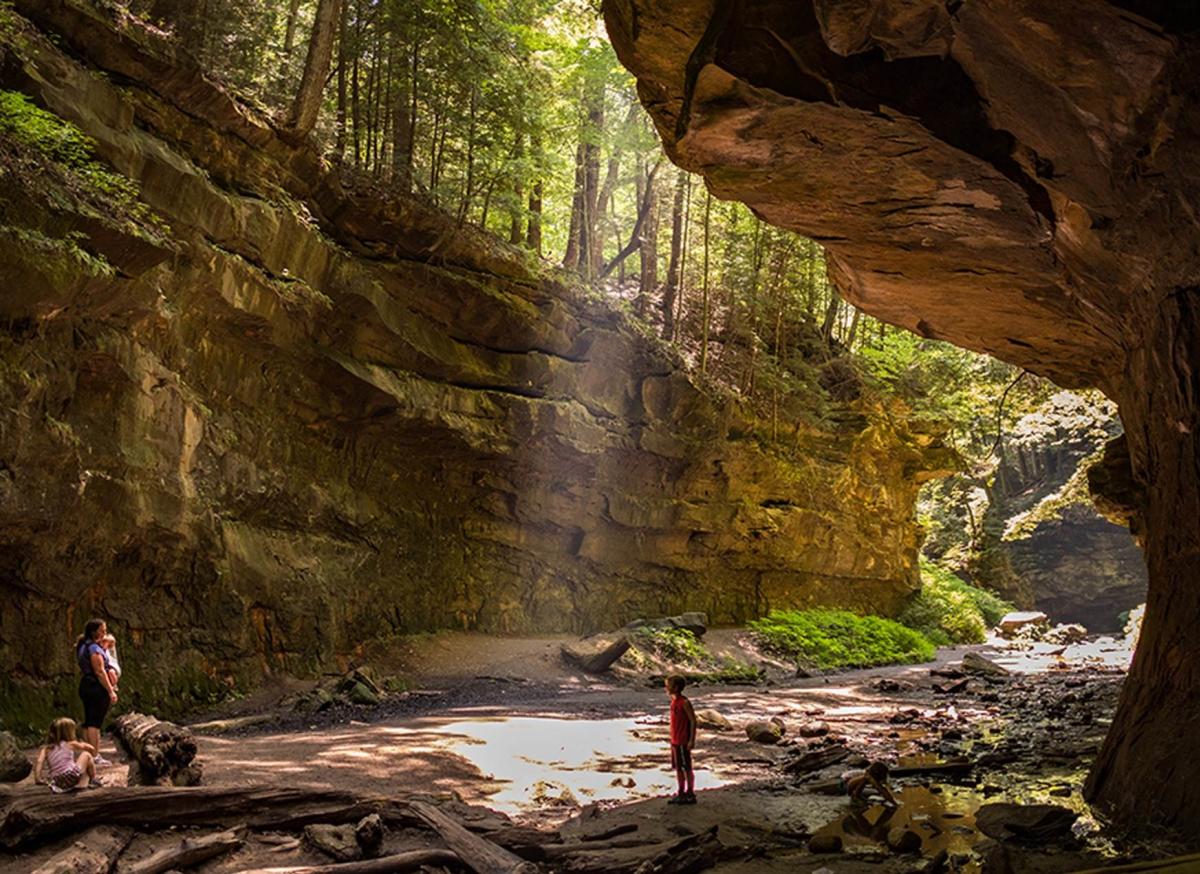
1067,634
1012,623
362,695
14,766
369,833
825,844
903,840
338,841
712,720
977,664
770,732
813,729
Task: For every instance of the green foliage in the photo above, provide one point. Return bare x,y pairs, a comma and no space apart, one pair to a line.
948,610
63,150
840,639
676,645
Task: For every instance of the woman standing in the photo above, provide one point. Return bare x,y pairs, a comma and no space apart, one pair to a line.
95,688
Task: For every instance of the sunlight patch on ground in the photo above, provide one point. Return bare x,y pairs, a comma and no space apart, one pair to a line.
537,760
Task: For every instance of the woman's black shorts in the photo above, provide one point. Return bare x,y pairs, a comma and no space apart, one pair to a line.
95,700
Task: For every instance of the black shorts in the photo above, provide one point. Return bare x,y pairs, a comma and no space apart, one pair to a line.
681,757
95,700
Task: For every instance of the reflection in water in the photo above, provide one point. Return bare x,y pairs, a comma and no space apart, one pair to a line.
945,821
540,760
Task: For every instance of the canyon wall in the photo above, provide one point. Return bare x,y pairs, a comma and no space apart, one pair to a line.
256,418
1013,176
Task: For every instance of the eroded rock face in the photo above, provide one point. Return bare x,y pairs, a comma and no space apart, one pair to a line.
289,419
1045,545
1016,177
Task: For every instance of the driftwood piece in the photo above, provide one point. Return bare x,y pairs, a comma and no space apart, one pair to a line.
218,726
188,852
395,864
95,853
696,852
815,760
480,855
945,769
164,752
29,817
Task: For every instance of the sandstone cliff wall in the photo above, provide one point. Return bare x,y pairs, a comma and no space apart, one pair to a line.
255,418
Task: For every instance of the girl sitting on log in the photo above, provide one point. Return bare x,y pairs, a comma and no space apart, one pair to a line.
64,771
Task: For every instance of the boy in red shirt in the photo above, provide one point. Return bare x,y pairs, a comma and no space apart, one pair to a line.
683,738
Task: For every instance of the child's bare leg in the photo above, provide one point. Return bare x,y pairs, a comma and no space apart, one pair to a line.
691,782
87,768
681,779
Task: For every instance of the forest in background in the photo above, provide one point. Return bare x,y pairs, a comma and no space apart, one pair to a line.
516,117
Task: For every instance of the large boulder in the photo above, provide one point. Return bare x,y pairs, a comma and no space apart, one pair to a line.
14,765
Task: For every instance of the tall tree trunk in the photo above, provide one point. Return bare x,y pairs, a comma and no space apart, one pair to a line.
533,237
515,231
289,43
575,236
853,329
648,250
307,105
687,236
831,314
675,261
339,146
704,299
355,102
469,181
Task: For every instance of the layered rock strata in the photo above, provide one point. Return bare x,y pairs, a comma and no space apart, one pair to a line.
1016,177
256,419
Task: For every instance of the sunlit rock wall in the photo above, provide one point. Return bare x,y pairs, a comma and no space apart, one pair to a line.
276,419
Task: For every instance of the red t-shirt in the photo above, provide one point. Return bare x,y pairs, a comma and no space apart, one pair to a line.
681,727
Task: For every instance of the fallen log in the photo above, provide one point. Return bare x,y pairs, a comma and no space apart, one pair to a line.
695,852
815,760
95,853
29,817
218,726
953,768
163,751
478,854
395,864
188,852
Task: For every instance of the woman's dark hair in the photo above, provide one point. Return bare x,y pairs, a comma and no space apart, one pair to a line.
89,631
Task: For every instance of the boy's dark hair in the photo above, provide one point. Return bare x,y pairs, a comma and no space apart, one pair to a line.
878,770
675,683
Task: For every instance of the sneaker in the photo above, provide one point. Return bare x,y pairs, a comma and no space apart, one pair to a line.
102,762
676,799
95,783
690,798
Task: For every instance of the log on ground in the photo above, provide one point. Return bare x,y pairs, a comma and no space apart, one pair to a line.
188,852
95,853
399,863
479,854
164,752
30,817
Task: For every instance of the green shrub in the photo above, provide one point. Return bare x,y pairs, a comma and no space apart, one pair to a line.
677,645
949,610
840,639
